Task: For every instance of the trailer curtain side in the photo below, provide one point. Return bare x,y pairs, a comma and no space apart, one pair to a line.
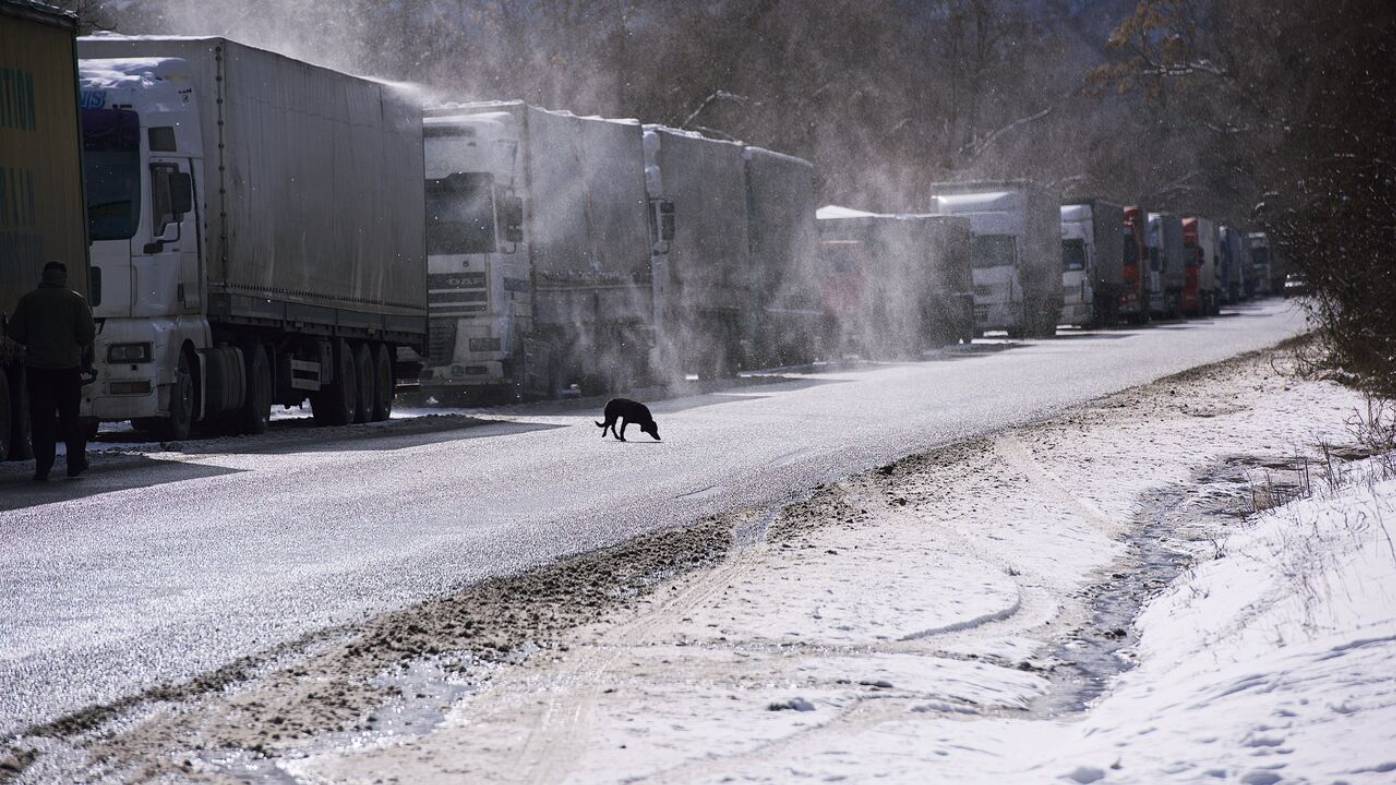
313,181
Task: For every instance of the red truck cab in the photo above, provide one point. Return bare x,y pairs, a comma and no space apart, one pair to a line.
1134,300
1192,282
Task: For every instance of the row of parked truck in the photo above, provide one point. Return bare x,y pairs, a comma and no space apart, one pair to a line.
259,231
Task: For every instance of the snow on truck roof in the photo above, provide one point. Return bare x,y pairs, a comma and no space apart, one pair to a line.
656,129
156,83
127,72
753,151
982,201
1076,212
832,211
492,118
100,39
471,108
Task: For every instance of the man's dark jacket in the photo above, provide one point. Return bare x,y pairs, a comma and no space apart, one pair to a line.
54,324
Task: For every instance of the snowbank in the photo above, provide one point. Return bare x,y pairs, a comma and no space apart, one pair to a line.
1274,663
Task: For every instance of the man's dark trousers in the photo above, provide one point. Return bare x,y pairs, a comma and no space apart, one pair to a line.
54,397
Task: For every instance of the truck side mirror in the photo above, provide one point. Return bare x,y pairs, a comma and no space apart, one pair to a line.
511,213
181,193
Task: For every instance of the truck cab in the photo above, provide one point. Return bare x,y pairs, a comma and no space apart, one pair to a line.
478,277
1141,279
1262,265
1234,260
1200,284
1167,260
996,252
1078,260
142,152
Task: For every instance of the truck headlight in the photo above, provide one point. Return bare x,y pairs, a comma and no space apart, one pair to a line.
128,353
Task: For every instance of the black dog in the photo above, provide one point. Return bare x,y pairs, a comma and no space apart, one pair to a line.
628,411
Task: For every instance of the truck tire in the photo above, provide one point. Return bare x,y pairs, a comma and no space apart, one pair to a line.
366,386
21,447
334,403
177,426
383,383
255,414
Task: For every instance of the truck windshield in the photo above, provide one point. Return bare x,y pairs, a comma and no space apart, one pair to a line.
1260,256
460,214
1073,255
993,250
111,163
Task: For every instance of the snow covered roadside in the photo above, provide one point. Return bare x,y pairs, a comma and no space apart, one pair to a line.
907,626
1275,662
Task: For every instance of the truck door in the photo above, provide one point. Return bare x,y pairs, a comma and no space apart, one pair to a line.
166,276
1076,296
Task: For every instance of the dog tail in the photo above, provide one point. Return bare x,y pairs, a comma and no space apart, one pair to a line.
601,425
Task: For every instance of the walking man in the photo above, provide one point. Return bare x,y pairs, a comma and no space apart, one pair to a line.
55,327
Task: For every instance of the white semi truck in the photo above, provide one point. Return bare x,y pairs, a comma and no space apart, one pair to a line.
702,272
539,232
1093,255
1016,253
257,232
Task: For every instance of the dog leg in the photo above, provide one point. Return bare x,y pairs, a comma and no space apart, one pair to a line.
623,423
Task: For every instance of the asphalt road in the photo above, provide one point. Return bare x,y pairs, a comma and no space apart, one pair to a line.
159,567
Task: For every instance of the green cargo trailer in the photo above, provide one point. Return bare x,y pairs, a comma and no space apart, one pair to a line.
42,214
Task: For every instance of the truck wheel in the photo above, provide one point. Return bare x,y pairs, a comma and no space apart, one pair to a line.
365,376
383,383
256,408
334,403
176,427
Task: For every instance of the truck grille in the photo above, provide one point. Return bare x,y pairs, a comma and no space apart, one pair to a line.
441,341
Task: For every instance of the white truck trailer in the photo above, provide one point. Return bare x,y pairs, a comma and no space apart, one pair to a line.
702,275
784,257
1167,258
1093,255
539,230
1016,253
257,228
